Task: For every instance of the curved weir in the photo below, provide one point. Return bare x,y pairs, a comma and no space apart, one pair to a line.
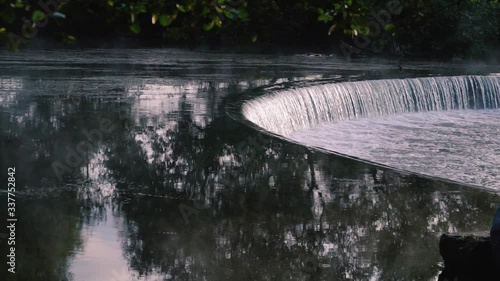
288,111
444,127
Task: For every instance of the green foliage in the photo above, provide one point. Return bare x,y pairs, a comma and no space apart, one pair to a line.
135,27
448,28
476,26
165,20
350,16
37,16
324,16
467,27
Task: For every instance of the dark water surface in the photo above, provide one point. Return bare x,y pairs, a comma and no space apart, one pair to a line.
154,181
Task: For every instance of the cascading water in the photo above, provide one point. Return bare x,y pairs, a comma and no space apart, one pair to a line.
444,127
284,112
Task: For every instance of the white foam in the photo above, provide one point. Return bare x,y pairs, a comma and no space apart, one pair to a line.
458,145
284,112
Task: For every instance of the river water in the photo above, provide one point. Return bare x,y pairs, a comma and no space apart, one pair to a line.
128,168
461,145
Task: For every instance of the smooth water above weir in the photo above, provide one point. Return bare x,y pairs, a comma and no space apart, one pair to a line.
285,112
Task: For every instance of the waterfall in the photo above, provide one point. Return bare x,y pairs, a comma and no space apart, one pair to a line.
287,111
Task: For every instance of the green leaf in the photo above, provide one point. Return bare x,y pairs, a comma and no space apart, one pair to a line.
229,15
2,30
205,11
18,4
325,17
389,27
165,20
218,22
218,9
243,14
140,8
208,26
37,16
135,28
365,30
111,3
181,8
69,39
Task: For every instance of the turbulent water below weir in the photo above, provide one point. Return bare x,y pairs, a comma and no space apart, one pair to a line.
444,127
461,145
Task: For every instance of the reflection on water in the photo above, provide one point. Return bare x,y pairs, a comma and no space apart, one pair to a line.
177,190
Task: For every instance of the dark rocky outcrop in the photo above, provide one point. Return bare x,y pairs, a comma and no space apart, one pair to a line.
471,257
466,258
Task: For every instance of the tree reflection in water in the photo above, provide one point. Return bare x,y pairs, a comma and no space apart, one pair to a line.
259,208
